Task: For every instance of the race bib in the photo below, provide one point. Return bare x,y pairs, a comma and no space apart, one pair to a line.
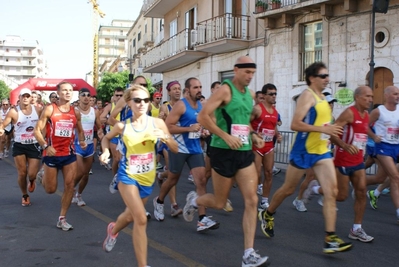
241,131
143,163
194,135
324,136
88,135
27,138
392,134
268,135
63,129
360,141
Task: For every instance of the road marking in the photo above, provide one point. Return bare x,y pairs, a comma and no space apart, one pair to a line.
151,243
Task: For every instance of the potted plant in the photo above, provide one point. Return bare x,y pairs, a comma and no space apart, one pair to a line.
276,4
260,6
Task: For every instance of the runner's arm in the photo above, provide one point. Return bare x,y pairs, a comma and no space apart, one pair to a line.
41,124
167,139
114,113
173,118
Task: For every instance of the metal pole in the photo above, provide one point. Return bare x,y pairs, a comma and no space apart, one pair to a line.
372,64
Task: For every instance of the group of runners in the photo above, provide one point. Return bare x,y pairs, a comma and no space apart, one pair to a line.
239,138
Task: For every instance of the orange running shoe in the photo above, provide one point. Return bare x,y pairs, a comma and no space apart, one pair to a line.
25,201
31,186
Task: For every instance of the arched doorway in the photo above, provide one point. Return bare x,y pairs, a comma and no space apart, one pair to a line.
383,77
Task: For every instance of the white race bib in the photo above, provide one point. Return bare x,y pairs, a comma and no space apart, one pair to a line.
89,134
268,135
27,138
392,133
241,131
194,135
63,129
142,163
360,141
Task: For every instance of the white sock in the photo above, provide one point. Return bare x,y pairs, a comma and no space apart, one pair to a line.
247,252
265,199
376,192
356,226
316,189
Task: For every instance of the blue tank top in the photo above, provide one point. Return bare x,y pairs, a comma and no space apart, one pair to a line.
189,143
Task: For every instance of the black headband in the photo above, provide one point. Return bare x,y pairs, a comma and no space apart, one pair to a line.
245,65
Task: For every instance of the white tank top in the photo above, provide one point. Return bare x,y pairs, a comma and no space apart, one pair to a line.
88,121
23,130
387,125
3,116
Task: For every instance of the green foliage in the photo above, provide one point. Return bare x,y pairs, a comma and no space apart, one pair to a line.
4,90
150,87
109,81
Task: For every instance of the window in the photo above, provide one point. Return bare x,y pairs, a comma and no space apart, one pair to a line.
134,42
145,28
312,42
107,41
139,36
121,32
227,75
7,58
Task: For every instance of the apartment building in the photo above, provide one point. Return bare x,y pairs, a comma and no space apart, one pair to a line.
112,44
203,39
21,60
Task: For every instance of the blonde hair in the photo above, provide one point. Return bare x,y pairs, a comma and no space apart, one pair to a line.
127,96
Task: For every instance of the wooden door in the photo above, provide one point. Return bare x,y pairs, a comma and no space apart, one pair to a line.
383,77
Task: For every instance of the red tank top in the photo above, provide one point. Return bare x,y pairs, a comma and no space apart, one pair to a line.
355,133
60,130
266,123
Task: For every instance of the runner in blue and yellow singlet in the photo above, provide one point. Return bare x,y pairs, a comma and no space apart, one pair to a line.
136,173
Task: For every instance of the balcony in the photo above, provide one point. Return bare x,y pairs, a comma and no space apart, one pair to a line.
223,34
28,54
159,37
148,40
174,53
290,8
158,8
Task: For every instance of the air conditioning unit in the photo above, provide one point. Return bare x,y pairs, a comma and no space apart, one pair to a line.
193,37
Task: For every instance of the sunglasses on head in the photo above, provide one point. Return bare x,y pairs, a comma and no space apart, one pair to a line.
322,76
85,94
138,100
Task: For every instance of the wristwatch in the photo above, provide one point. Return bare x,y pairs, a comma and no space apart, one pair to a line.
44,146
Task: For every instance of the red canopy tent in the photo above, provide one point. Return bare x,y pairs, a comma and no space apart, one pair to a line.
41,84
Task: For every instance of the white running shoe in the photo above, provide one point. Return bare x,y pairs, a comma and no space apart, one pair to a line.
110,240
299,205
189,210
80,202
62,224
190,178
159,213
113,186
259,191
175,210
360,235
253,260
263,205
309,191
207,223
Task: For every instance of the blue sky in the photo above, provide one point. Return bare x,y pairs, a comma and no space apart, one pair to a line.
63,29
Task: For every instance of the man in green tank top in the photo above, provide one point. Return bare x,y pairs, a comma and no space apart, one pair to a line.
231,152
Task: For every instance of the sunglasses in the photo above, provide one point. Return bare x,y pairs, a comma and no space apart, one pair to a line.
54,96
119,95
272,94
5,104
85,94
144,84
157,98
138,100
322,76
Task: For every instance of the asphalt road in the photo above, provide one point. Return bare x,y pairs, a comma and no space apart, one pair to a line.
29,237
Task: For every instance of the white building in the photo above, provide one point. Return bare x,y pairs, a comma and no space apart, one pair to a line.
204,38
21,60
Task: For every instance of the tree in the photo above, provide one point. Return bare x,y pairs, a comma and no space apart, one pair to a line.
4,90
109,81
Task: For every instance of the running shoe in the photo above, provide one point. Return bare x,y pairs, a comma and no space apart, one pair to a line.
334,244
91,171
373,199
158,210
320,201
189,210
259,191
207,223
31,186
360,235
25,201
110,240
159,165
160,180
276,171
190,178
113,186
74,199
62,224
175,210
263,205
307,194
299,205
386,191
6,152
148,215
39,176
228,207
267,224
253,260
80,201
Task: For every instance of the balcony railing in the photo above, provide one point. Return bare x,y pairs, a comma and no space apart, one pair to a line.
307,58
175,44
222,27
159,37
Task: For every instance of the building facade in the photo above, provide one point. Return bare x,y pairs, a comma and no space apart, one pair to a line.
204,38
21,60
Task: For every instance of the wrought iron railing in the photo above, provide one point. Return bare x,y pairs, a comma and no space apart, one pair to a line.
225,26
307,58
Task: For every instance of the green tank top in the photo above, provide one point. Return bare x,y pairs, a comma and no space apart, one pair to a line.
234,118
